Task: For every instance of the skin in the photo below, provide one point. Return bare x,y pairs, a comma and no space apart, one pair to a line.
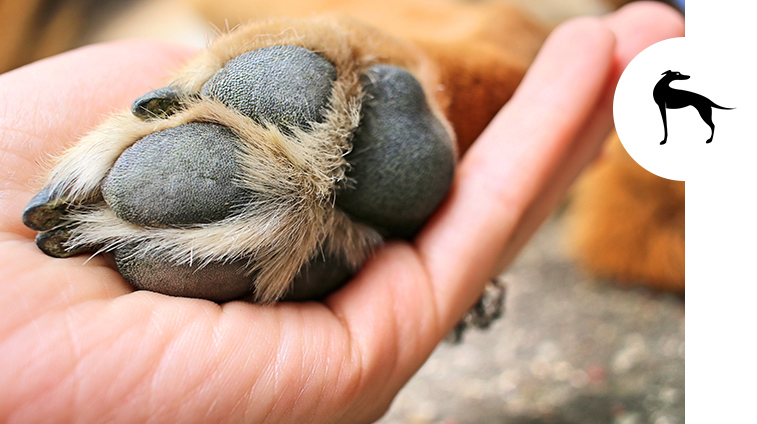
77,343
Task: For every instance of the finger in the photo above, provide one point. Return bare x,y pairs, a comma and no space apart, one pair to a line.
636,27
49,104
393,301
63,95
502,175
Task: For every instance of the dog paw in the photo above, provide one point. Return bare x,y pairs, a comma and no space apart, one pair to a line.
489,308
269,169
178,176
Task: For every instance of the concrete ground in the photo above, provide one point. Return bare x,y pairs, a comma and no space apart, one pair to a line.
567,351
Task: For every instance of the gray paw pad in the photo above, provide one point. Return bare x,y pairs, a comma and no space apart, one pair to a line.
178,176
402,160
288,86
319,277
219,282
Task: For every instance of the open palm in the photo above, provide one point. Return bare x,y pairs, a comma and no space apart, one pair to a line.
78,343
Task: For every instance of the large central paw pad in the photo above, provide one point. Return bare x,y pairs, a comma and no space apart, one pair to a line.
178,176
273,177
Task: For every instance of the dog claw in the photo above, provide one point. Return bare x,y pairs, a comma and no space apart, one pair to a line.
44,212
489,308
159,103
53,243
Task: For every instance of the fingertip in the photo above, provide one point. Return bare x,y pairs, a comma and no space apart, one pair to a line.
583,32
580,25
654,10
133,63
581,46
640,24
56,99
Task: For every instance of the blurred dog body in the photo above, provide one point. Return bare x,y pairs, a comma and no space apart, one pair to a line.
627,224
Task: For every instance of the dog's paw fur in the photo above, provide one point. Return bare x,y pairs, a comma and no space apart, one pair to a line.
268,168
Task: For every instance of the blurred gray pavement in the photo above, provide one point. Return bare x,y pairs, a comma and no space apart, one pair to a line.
568,350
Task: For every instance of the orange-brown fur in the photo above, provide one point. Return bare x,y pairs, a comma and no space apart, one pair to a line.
482,50
35,29
627,224
23,40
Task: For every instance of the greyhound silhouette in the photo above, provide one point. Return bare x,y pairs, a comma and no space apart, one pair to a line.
671,98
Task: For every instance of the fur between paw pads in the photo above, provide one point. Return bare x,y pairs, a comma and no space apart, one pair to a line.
270,168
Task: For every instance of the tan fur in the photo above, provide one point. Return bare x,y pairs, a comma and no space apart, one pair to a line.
22,36
35,29
480,50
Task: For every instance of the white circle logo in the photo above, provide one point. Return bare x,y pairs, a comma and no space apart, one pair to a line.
668,107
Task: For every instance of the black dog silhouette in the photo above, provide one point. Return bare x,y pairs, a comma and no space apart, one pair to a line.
671,98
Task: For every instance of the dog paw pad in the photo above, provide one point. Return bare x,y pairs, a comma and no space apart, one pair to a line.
178,176
288,86
403,159
216,281
319,277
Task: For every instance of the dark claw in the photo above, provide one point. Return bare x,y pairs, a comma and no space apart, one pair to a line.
159,103
44,212
53,243
490,306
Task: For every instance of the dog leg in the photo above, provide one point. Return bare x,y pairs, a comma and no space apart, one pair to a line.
706,114
664,122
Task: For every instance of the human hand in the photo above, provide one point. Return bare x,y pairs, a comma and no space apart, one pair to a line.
78,343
